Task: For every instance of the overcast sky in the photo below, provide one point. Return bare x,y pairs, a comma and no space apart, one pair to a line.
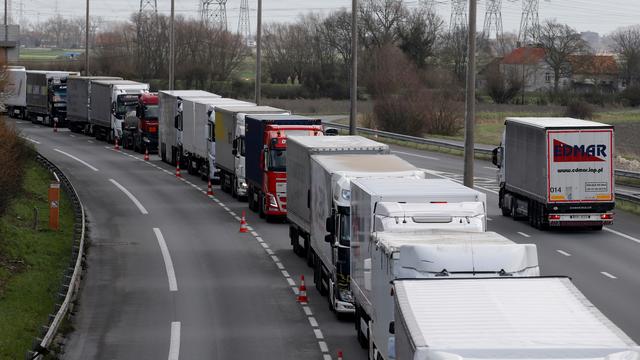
594,15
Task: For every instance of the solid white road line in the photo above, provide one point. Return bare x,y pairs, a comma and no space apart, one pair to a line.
174,345
76,159
416,155
33,141
622,234
608,275
563,253
523,234
130,195
168,264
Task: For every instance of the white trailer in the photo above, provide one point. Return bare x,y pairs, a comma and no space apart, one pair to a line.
171,123
15,92
111,102
403,206
230,147
438,254
197,133
574,164
502,318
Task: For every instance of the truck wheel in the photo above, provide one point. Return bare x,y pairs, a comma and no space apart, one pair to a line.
505,210
234,188
514,209
308,252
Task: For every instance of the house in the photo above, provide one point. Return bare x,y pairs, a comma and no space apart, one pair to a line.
589,72
585,72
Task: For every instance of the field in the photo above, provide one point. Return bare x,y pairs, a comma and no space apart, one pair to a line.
44,54
31,263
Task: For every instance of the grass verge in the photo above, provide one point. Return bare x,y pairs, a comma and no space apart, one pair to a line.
31,262
628,206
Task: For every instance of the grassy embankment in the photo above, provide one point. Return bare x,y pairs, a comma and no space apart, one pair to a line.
31,262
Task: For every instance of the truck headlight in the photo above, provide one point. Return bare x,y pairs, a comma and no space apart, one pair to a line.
243,185
345,295
346,195
145,139
273,202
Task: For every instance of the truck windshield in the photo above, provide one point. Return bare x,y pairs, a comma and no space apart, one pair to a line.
127,103
277,160
151,112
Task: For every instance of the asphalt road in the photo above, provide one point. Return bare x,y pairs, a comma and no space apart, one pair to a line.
233,296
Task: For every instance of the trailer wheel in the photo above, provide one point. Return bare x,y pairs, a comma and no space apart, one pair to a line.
261,204
505,210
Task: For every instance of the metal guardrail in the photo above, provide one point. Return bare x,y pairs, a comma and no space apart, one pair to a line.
479,150
72,275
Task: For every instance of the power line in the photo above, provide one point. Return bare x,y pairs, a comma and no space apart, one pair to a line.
149,6
493,20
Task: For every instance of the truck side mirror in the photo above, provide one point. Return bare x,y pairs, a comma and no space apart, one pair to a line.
175,121
392,328
496,157
328,239
330,225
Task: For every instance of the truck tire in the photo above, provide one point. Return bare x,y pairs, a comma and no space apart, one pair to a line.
294,237
308,252
260,204
505,210
234,188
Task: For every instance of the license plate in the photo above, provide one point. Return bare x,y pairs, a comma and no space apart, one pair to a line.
580,217
281,187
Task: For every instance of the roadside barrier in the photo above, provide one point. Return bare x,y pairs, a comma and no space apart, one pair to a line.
72,275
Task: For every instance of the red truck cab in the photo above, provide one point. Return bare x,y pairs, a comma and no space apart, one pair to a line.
146,137
266,160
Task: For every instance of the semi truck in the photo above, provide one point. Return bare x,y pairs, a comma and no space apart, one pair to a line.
198,134
140,130
78,100
171,121
404,206
502,318
442,254
111,102
557,172
47,96
230,145
266,159
15,92
318,188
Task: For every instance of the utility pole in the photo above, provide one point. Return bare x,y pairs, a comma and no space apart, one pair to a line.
470,113
87,33
353,116
259,54
172,49
6,30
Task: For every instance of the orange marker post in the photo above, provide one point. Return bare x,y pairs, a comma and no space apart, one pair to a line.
54,206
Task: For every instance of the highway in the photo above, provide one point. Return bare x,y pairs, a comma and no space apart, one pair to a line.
169,275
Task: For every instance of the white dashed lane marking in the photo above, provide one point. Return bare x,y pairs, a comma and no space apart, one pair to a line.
523,234
563,253
608,275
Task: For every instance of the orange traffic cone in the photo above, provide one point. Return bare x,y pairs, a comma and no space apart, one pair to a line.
55,126
302,293
116,146
210,189
178,175
243,224
146,155
339,354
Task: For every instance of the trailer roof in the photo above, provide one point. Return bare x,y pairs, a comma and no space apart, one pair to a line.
338,143
393,240
418,187
220,100
505,318
94,78
263,117
364,163
249,109
117,82
556,122
189,93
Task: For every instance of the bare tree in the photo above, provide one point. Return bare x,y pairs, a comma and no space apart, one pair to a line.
419,33
379,21
560,42
454,52
626,43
